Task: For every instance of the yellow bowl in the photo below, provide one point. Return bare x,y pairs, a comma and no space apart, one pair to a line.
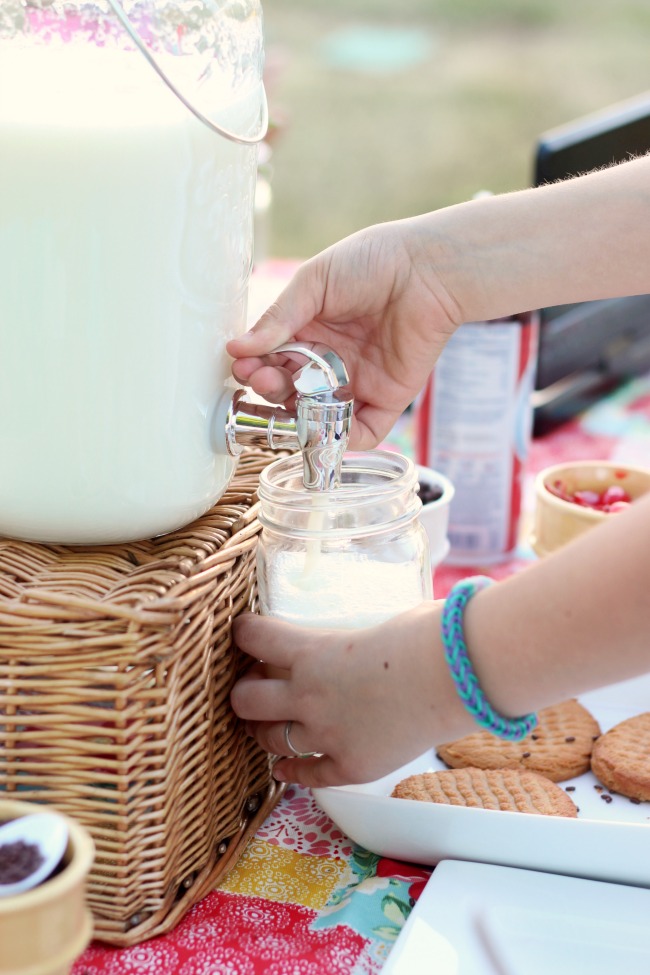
557,521
44,930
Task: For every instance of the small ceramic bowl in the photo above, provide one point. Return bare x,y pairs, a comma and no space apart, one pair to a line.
43,930
557,520
434,515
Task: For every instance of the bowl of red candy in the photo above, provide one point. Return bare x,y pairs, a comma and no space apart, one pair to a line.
570,498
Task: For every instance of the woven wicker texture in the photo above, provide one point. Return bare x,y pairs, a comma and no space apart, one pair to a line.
116,665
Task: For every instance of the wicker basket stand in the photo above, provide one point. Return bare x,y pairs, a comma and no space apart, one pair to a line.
116,665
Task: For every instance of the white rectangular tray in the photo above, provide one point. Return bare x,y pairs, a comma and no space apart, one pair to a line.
479,919
608,840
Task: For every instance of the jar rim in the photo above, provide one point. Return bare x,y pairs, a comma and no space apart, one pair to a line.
379,486
387,472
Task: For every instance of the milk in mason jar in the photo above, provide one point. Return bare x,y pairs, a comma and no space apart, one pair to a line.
350,557
340,590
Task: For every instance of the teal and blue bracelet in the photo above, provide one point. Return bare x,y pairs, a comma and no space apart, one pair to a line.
462,672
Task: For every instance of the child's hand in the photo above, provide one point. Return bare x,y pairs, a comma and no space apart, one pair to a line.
376,300
352,695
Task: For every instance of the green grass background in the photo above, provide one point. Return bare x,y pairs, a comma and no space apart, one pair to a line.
355,147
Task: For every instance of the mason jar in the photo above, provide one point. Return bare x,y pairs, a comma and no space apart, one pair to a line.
350,557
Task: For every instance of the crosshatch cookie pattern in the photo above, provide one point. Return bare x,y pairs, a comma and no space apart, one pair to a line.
559,747
505,789
621,758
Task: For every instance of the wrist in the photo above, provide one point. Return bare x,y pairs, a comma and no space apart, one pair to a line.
439,707
435,254
463,674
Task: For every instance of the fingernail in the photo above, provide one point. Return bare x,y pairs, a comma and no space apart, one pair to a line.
278,775
246,337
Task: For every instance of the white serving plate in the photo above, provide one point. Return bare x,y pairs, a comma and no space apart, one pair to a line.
608,841
480,919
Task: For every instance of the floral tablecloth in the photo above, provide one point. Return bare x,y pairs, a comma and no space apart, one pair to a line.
304,900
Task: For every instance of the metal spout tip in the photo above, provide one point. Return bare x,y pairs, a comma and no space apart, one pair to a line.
323,433
322,467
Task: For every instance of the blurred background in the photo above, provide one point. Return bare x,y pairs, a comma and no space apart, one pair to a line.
386,108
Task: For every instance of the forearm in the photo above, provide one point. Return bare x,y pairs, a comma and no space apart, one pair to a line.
577,240
577,620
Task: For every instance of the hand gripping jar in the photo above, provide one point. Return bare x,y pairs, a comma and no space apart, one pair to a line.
351,557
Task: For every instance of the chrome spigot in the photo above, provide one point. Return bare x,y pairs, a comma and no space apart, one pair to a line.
320,426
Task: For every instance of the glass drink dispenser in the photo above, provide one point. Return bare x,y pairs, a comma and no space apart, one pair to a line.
129,137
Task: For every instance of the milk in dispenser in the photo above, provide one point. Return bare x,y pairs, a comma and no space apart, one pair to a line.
129,137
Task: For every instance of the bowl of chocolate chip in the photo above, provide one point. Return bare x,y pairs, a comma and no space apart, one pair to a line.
570,498
436,492
45,923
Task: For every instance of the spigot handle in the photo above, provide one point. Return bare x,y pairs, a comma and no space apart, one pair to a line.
321,427
325,372
323,413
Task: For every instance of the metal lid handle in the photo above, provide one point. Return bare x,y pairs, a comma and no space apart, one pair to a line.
244,140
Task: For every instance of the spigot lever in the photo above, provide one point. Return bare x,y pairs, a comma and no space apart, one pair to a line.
323,414
321,426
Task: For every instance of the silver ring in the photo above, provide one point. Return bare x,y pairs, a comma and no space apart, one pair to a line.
294,751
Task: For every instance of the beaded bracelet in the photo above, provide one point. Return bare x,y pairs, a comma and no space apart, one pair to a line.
511,729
